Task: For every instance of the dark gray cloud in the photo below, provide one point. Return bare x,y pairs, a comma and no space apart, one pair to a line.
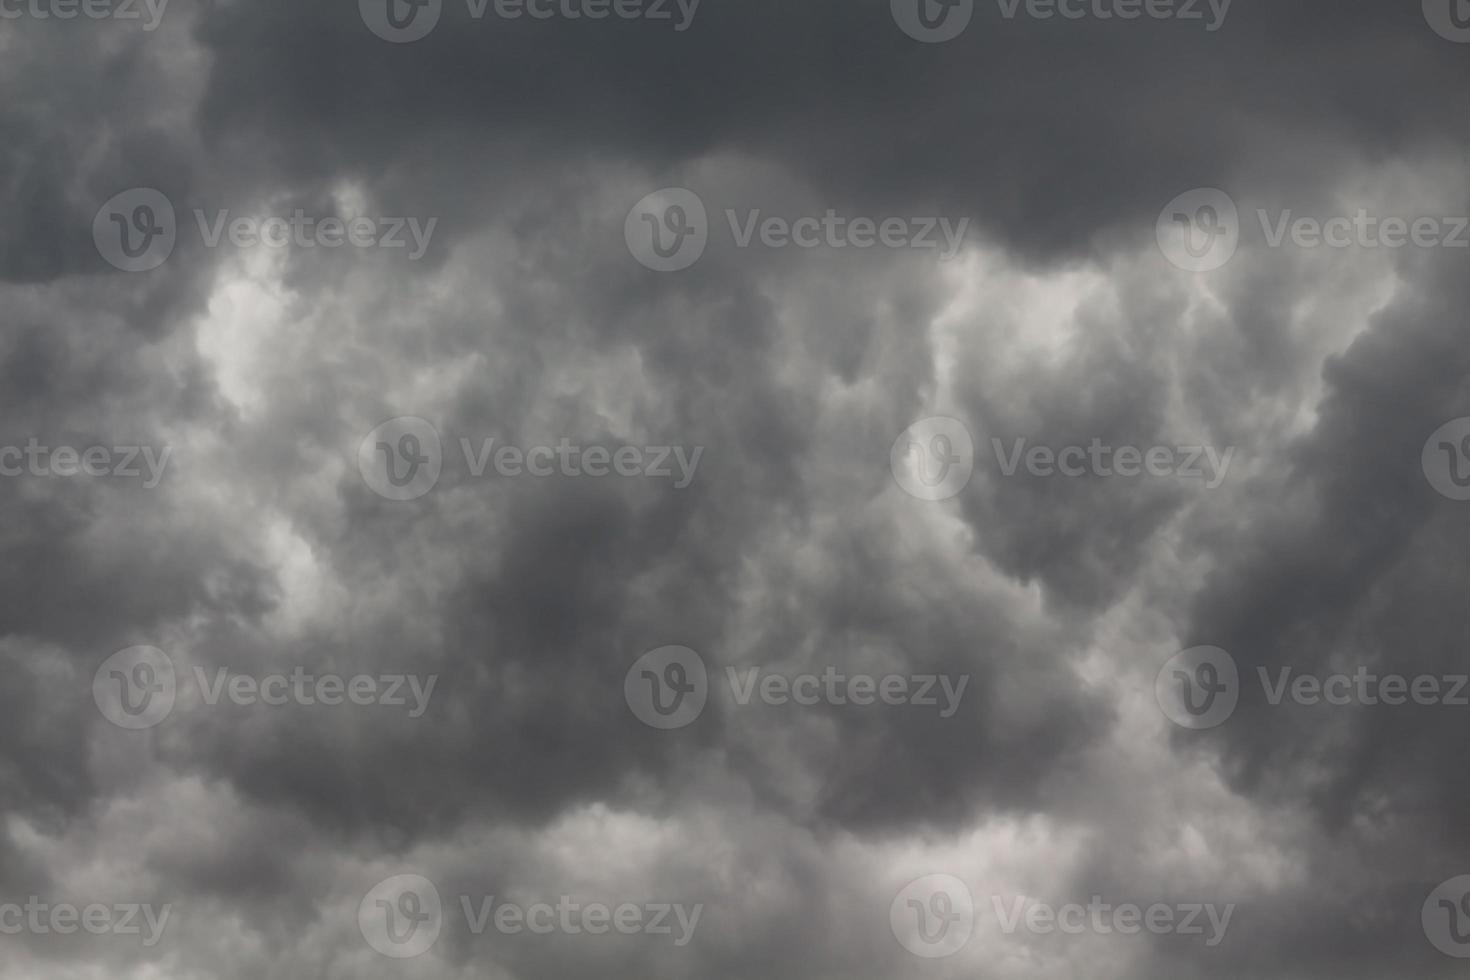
264,549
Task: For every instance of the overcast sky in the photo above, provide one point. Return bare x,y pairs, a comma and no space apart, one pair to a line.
556,489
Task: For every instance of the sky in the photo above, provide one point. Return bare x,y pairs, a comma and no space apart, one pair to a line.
865,489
